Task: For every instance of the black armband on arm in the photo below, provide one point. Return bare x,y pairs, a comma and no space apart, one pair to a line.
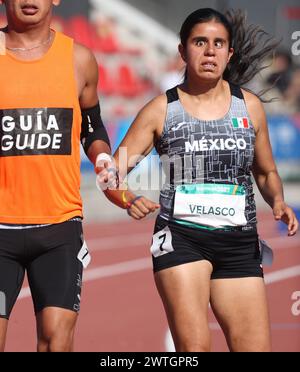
92,127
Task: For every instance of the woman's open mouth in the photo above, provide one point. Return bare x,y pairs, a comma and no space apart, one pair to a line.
209,66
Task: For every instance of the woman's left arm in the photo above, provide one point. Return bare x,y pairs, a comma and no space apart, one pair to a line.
264,168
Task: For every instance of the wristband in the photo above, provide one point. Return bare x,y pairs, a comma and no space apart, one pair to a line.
105,157
128,204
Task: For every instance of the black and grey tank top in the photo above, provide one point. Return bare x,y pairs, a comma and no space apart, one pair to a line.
194,151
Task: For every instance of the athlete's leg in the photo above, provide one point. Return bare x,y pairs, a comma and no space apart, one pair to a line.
240,305
184,290
3,329
55,329
11,275
55,278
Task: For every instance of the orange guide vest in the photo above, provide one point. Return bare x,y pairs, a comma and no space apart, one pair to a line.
40,124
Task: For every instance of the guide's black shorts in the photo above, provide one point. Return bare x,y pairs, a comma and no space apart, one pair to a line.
49,255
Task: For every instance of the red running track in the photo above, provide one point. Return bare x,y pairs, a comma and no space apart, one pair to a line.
121,310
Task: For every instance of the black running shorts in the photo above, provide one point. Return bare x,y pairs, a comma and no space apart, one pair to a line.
49,255
233,254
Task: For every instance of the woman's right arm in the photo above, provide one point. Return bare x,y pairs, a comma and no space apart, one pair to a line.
141,136
138,142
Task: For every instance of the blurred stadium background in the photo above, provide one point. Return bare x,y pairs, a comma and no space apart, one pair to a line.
135,43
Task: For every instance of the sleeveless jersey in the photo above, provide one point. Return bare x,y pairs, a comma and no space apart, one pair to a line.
194,151
40,124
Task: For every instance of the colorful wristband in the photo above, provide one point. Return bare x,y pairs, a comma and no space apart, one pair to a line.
128,204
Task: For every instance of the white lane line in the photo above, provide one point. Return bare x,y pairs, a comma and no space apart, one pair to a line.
119,242
274,326
278,276
25,292
107,271
282,242
117,269
169,343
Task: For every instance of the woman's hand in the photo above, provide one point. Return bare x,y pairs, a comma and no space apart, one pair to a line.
284,213
140,207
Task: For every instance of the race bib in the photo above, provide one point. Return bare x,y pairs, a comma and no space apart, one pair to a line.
216,205
162,243
84,256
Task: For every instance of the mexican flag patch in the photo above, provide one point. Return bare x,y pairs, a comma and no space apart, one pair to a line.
240,122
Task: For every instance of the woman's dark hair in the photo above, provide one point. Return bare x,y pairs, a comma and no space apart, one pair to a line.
251,44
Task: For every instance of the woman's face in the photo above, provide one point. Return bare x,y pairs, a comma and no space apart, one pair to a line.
207,51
